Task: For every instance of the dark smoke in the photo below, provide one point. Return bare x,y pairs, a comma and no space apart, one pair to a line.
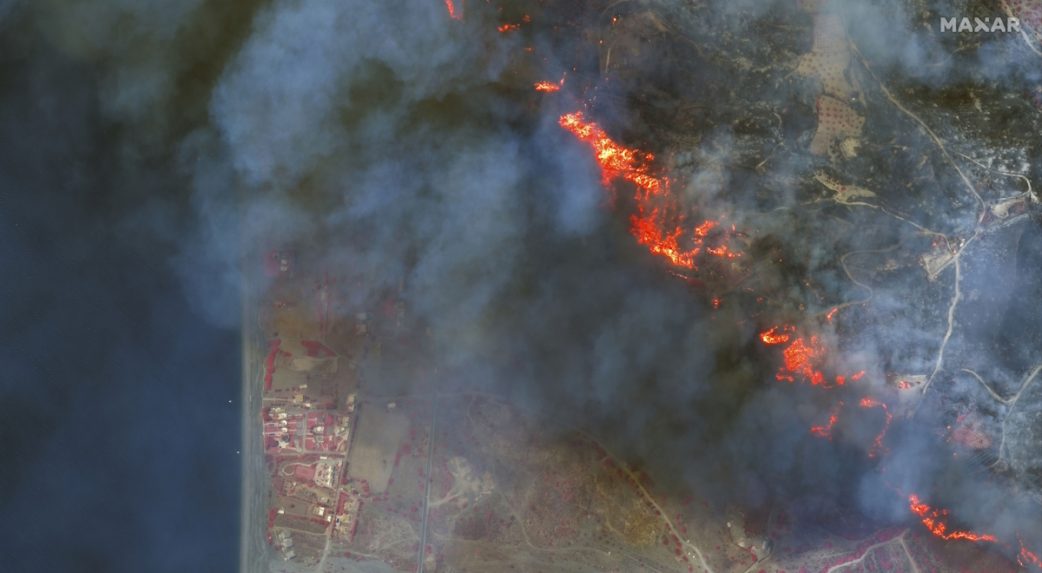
157,144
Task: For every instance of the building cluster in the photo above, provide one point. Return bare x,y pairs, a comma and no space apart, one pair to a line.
349,505
293,429
307,422
307,450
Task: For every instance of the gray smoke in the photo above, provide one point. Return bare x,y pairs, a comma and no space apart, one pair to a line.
387,118
402,146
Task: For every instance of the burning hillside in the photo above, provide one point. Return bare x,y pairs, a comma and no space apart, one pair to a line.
659,223
711,286
743,250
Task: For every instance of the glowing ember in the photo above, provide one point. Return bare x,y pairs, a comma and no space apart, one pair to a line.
877,444
648,231
802,357
825,431
615,160
504,28
723,251
455,14
934,520
777,335
702,231
832,314
1027,557
545,86
659,223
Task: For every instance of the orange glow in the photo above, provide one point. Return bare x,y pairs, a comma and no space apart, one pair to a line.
455,14
504,28
545,86
825,431
776,335
702,231
877,444
648,231
616,160
723,251
832,314
803,357
659,222
934,520
1027,557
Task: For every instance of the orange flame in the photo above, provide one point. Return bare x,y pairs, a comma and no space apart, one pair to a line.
772,335
1026,557
934,520
545,86
453,13
802,357
658,223
877,444
825,431
504,28
723,251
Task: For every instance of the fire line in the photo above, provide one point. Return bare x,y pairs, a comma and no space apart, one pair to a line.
934,520
547,86
877,444
454,13
825,431
658,223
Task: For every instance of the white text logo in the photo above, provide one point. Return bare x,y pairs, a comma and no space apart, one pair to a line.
980,25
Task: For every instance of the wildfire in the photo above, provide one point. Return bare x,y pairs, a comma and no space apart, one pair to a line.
616,161
455,14
1026,557
934,520
802,357
724,252
546,86
825,431
877,444
659,223
841,379
777,335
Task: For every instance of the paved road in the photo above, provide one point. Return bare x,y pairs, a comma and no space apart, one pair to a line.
427,485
